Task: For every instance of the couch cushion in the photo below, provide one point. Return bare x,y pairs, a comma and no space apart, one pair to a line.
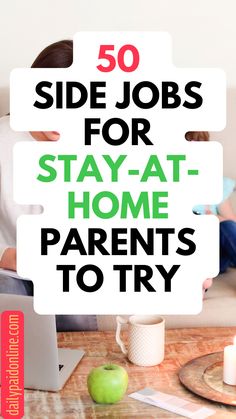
219,308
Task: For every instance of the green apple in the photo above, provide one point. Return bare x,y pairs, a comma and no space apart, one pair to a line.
107,383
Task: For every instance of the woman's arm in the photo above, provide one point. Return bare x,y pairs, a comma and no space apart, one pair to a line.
226,211
8,259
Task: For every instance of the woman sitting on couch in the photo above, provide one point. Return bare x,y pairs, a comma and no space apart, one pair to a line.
224,212
57,55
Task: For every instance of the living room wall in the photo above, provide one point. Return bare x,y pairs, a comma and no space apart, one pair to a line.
203,33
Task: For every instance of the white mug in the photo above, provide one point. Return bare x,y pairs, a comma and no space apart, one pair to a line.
146,339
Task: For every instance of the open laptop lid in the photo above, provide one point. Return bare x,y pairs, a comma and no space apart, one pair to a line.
41,352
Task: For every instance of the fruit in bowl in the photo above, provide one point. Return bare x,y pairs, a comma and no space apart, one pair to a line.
107,383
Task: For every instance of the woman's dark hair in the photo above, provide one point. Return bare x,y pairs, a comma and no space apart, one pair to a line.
197,136
57,55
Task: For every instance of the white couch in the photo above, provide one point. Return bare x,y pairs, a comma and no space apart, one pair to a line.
219,305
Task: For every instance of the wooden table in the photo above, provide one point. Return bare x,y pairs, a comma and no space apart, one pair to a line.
74,401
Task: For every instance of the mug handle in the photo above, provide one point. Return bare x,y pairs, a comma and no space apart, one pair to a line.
120,321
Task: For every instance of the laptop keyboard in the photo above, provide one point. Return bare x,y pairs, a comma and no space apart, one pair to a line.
60,366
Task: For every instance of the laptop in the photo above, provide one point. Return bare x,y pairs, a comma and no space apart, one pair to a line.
46,367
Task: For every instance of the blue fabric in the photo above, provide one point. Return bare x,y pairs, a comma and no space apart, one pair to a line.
228,187
65,323
9,285
227,245
75,323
